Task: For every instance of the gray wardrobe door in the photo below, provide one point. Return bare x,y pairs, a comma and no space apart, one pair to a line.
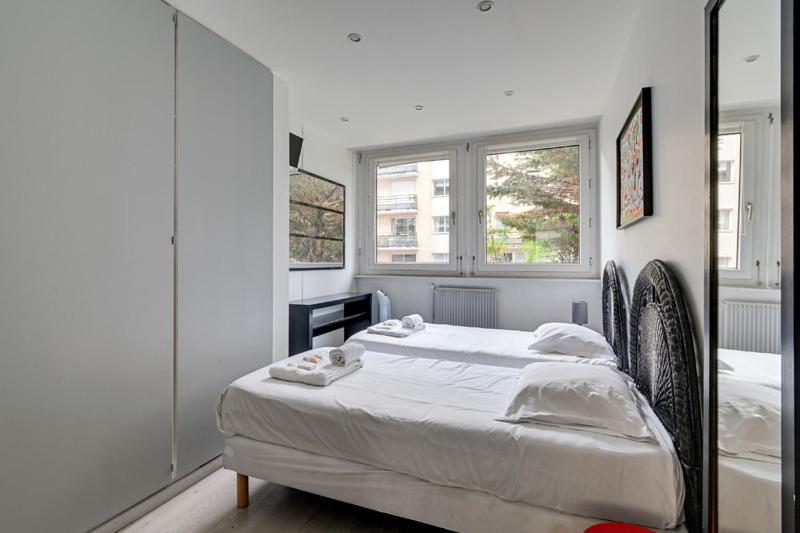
224,200
86,264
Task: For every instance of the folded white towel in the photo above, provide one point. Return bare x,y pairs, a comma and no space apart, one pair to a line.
413,322
320,375
347,353
390,331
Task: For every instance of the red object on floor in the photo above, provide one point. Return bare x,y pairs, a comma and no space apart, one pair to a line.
617,527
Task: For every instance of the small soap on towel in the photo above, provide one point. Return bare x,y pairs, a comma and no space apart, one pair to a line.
346,353
413,322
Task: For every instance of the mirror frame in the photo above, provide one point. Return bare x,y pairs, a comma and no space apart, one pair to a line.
710,292
789,370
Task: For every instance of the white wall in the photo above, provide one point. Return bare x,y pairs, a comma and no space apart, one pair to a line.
523,303
666,51
279,240
324,156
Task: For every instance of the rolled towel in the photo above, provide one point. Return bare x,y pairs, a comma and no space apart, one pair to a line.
413,322
346,353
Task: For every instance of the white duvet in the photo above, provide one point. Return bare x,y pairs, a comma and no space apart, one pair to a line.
498,347
433,419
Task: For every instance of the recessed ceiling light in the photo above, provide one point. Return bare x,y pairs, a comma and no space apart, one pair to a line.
509,92
752,58
485,6
419,107
354,37
344,119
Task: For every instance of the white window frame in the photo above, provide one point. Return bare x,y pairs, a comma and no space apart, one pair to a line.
588,234
755,154
466,248
434,188
435,227
368,182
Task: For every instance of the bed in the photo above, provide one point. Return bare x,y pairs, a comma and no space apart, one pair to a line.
504,347
749,486
424,443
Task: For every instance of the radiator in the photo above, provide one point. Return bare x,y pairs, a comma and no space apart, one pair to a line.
750,326
465,306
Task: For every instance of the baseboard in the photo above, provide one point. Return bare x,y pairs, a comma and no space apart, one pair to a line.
148,504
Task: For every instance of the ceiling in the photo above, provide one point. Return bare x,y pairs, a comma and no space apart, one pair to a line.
747,28
559,56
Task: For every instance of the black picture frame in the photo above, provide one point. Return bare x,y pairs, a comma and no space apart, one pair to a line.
643,104
322,266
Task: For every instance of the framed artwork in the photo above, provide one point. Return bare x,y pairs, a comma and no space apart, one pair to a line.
635,164
316,222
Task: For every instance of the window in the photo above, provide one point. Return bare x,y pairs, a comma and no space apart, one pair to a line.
411,226
441,187
724,217
533,205
724,171
441,224
748,199
519,204
725,262
316,222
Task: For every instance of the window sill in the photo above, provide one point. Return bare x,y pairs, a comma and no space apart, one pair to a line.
514,277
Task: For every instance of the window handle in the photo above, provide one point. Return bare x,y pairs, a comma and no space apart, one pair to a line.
758,272
748,207
480,216
453,217
778,279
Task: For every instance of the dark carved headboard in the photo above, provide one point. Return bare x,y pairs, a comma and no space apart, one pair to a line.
662,362
615,315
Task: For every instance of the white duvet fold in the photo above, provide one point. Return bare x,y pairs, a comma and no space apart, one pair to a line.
433,419
498,347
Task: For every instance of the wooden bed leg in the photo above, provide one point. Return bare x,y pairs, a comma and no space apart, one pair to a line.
242,491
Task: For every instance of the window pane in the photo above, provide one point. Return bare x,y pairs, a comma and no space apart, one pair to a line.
533,206
315,191
729,200
313,222
413,223
320,252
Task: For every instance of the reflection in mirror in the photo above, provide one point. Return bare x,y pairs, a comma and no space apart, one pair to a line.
747,188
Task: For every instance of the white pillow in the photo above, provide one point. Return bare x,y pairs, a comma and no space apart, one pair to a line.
588,397
749,418
571,339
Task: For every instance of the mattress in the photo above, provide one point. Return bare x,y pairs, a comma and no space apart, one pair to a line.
498,347
749,496
452,508
434,420
750,487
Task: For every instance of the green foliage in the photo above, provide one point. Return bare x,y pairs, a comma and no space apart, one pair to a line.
547,182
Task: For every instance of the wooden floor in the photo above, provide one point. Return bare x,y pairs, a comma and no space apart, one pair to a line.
210,506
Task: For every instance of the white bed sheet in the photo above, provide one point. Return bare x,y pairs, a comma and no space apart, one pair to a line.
749,496
390,492
758,367
498,347
434,420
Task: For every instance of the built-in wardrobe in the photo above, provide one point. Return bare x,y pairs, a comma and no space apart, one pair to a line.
136,193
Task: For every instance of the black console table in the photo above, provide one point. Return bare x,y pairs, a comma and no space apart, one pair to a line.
304,326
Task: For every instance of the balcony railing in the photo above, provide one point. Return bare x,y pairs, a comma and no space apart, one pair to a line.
408,169
398,202
397,241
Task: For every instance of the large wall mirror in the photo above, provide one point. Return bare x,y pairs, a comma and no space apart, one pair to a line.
744,270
